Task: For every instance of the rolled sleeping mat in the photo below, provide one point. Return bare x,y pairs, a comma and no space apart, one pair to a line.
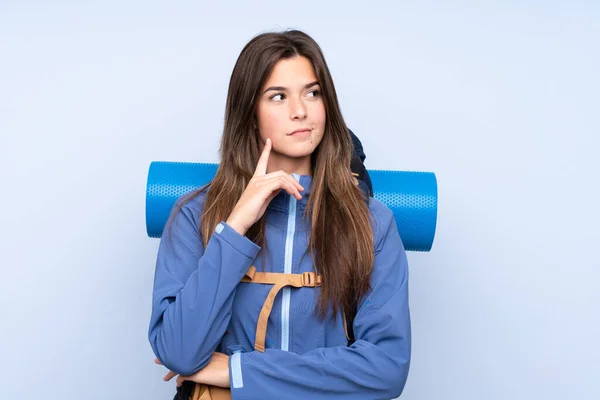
412,197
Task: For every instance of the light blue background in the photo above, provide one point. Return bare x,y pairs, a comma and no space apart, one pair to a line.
501,101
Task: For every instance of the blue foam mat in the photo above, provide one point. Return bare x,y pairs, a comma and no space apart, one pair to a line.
412,197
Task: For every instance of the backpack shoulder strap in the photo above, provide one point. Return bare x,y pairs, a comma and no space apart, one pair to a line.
348,327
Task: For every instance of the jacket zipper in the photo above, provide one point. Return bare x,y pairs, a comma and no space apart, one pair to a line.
289,251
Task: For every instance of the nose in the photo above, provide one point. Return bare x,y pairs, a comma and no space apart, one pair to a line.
297,109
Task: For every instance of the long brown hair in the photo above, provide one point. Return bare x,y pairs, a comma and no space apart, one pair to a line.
341,240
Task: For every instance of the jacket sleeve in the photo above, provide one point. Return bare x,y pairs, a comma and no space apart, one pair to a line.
194,290
374,367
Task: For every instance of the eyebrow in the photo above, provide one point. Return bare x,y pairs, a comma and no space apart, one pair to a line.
283,89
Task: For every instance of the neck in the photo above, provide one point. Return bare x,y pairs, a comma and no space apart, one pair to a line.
300,165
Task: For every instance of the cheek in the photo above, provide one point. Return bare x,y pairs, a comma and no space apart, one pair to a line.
319,138
319,115
270,121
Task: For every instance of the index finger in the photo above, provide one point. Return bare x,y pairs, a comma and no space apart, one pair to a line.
261,166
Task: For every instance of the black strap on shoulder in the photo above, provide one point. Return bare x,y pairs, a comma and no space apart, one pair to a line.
357,165
364,183
349,326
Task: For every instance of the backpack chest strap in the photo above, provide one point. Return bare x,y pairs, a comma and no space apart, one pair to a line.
279,281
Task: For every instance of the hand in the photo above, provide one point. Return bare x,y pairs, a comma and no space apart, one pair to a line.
261,189
215,373
170,375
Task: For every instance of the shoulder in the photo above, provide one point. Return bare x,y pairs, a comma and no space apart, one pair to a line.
382,221
192,200
189,207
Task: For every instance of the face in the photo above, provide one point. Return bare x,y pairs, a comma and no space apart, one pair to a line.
290,111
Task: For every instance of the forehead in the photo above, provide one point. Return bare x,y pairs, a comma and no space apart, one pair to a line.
291,72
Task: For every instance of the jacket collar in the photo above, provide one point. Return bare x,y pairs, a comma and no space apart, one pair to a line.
281,202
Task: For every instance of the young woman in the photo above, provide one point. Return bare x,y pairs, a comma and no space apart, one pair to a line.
283,201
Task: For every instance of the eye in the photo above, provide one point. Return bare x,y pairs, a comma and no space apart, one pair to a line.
315,93
277,97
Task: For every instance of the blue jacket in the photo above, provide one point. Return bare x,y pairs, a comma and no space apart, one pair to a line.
199,306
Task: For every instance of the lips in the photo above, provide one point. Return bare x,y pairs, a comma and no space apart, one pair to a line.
300,131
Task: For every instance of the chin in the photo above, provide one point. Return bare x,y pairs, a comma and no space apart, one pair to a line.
298,151
297,154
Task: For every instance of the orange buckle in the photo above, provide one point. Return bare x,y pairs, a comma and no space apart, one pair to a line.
309,279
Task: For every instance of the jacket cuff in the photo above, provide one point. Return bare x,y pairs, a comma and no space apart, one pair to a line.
241,387
241,243
236,378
